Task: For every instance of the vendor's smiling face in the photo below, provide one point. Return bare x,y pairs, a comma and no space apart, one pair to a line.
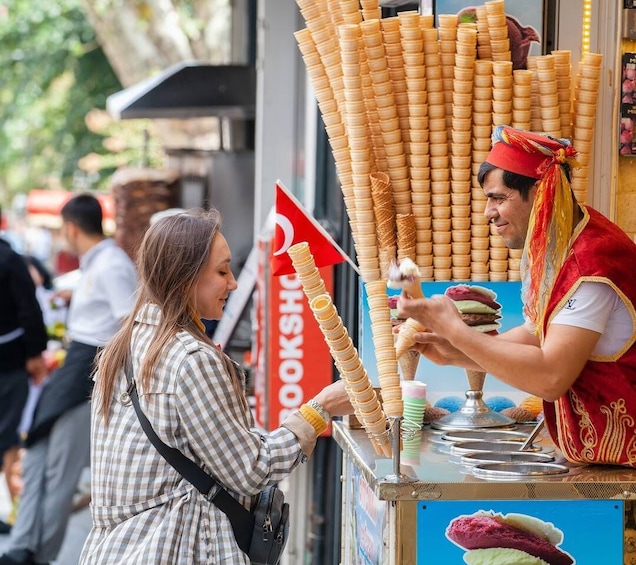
507,210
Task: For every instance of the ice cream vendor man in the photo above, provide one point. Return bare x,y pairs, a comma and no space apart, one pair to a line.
576,349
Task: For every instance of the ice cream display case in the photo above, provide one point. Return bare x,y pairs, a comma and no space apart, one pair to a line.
439,510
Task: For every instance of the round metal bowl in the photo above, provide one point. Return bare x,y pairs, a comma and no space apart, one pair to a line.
485,435
505,457
463,447
518,471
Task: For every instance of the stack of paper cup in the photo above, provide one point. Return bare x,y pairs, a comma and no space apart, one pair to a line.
447,30
498,31
498,264
521,99
501,93
587,84
535,111
563,69
414,398
549,96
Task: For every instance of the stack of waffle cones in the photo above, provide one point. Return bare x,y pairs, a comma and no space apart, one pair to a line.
357,383
587,83
498,30
409,110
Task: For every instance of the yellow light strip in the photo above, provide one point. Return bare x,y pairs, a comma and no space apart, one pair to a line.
587,24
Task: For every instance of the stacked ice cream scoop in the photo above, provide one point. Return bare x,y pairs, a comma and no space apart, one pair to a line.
477,306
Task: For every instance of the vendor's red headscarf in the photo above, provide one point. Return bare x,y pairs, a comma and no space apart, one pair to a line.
550,228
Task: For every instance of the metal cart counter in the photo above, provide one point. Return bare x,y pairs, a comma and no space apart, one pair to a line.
432,512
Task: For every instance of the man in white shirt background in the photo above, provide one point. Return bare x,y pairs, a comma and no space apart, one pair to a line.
58,440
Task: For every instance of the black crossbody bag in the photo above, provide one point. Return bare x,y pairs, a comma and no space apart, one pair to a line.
262,533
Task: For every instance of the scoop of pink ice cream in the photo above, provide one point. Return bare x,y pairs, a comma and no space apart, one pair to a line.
481,532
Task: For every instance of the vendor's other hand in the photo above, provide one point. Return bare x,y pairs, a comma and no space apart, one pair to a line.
435,348
334,399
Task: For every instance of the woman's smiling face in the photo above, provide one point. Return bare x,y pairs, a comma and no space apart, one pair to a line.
215,282
506,210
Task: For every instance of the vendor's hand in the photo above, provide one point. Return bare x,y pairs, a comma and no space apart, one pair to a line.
334,399
437,313
36,368
436,349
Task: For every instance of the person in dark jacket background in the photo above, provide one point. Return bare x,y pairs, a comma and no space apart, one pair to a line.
22,340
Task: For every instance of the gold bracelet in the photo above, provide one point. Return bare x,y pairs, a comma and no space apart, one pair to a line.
318,423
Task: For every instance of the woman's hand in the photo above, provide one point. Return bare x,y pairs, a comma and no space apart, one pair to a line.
334,399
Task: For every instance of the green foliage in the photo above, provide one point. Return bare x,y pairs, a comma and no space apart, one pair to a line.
53,74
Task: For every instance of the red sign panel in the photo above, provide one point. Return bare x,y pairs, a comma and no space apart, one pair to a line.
293,362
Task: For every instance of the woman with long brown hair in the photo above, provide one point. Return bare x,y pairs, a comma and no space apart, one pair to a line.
190,391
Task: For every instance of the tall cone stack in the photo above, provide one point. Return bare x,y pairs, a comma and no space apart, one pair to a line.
359,148
447,47
461,150
498,30
406,238
550,112
385,353
371,9
409,110
484,51
563,69
521,99
385,220
305,267
357,383
482,127
535,113
587,84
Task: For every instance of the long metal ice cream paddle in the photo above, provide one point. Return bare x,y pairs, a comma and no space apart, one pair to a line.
535,432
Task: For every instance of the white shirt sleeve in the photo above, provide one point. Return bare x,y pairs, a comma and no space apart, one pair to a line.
596,306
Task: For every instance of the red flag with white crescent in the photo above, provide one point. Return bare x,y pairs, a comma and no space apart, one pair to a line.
293,225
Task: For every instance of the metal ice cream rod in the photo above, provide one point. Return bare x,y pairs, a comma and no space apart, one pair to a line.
533,435
475,379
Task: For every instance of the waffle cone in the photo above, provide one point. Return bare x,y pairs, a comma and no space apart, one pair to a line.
405,339
475,379
408,364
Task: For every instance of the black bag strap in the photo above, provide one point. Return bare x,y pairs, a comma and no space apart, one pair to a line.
241,519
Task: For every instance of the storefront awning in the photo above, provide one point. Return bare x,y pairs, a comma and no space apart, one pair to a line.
43,208
189,90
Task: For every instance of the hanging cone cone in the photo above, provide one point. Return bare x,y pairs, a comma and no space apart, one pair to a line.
475,379
408,364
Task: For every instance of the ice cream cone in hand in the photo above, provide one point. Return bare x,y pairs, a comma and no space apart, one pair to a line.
405,276
408,364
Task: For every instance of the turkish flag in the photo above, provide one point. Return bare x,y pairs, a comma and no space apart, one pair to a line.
293,225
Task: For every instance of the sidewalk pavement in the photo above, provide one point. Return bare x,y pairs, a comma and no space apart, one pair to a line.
78,527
